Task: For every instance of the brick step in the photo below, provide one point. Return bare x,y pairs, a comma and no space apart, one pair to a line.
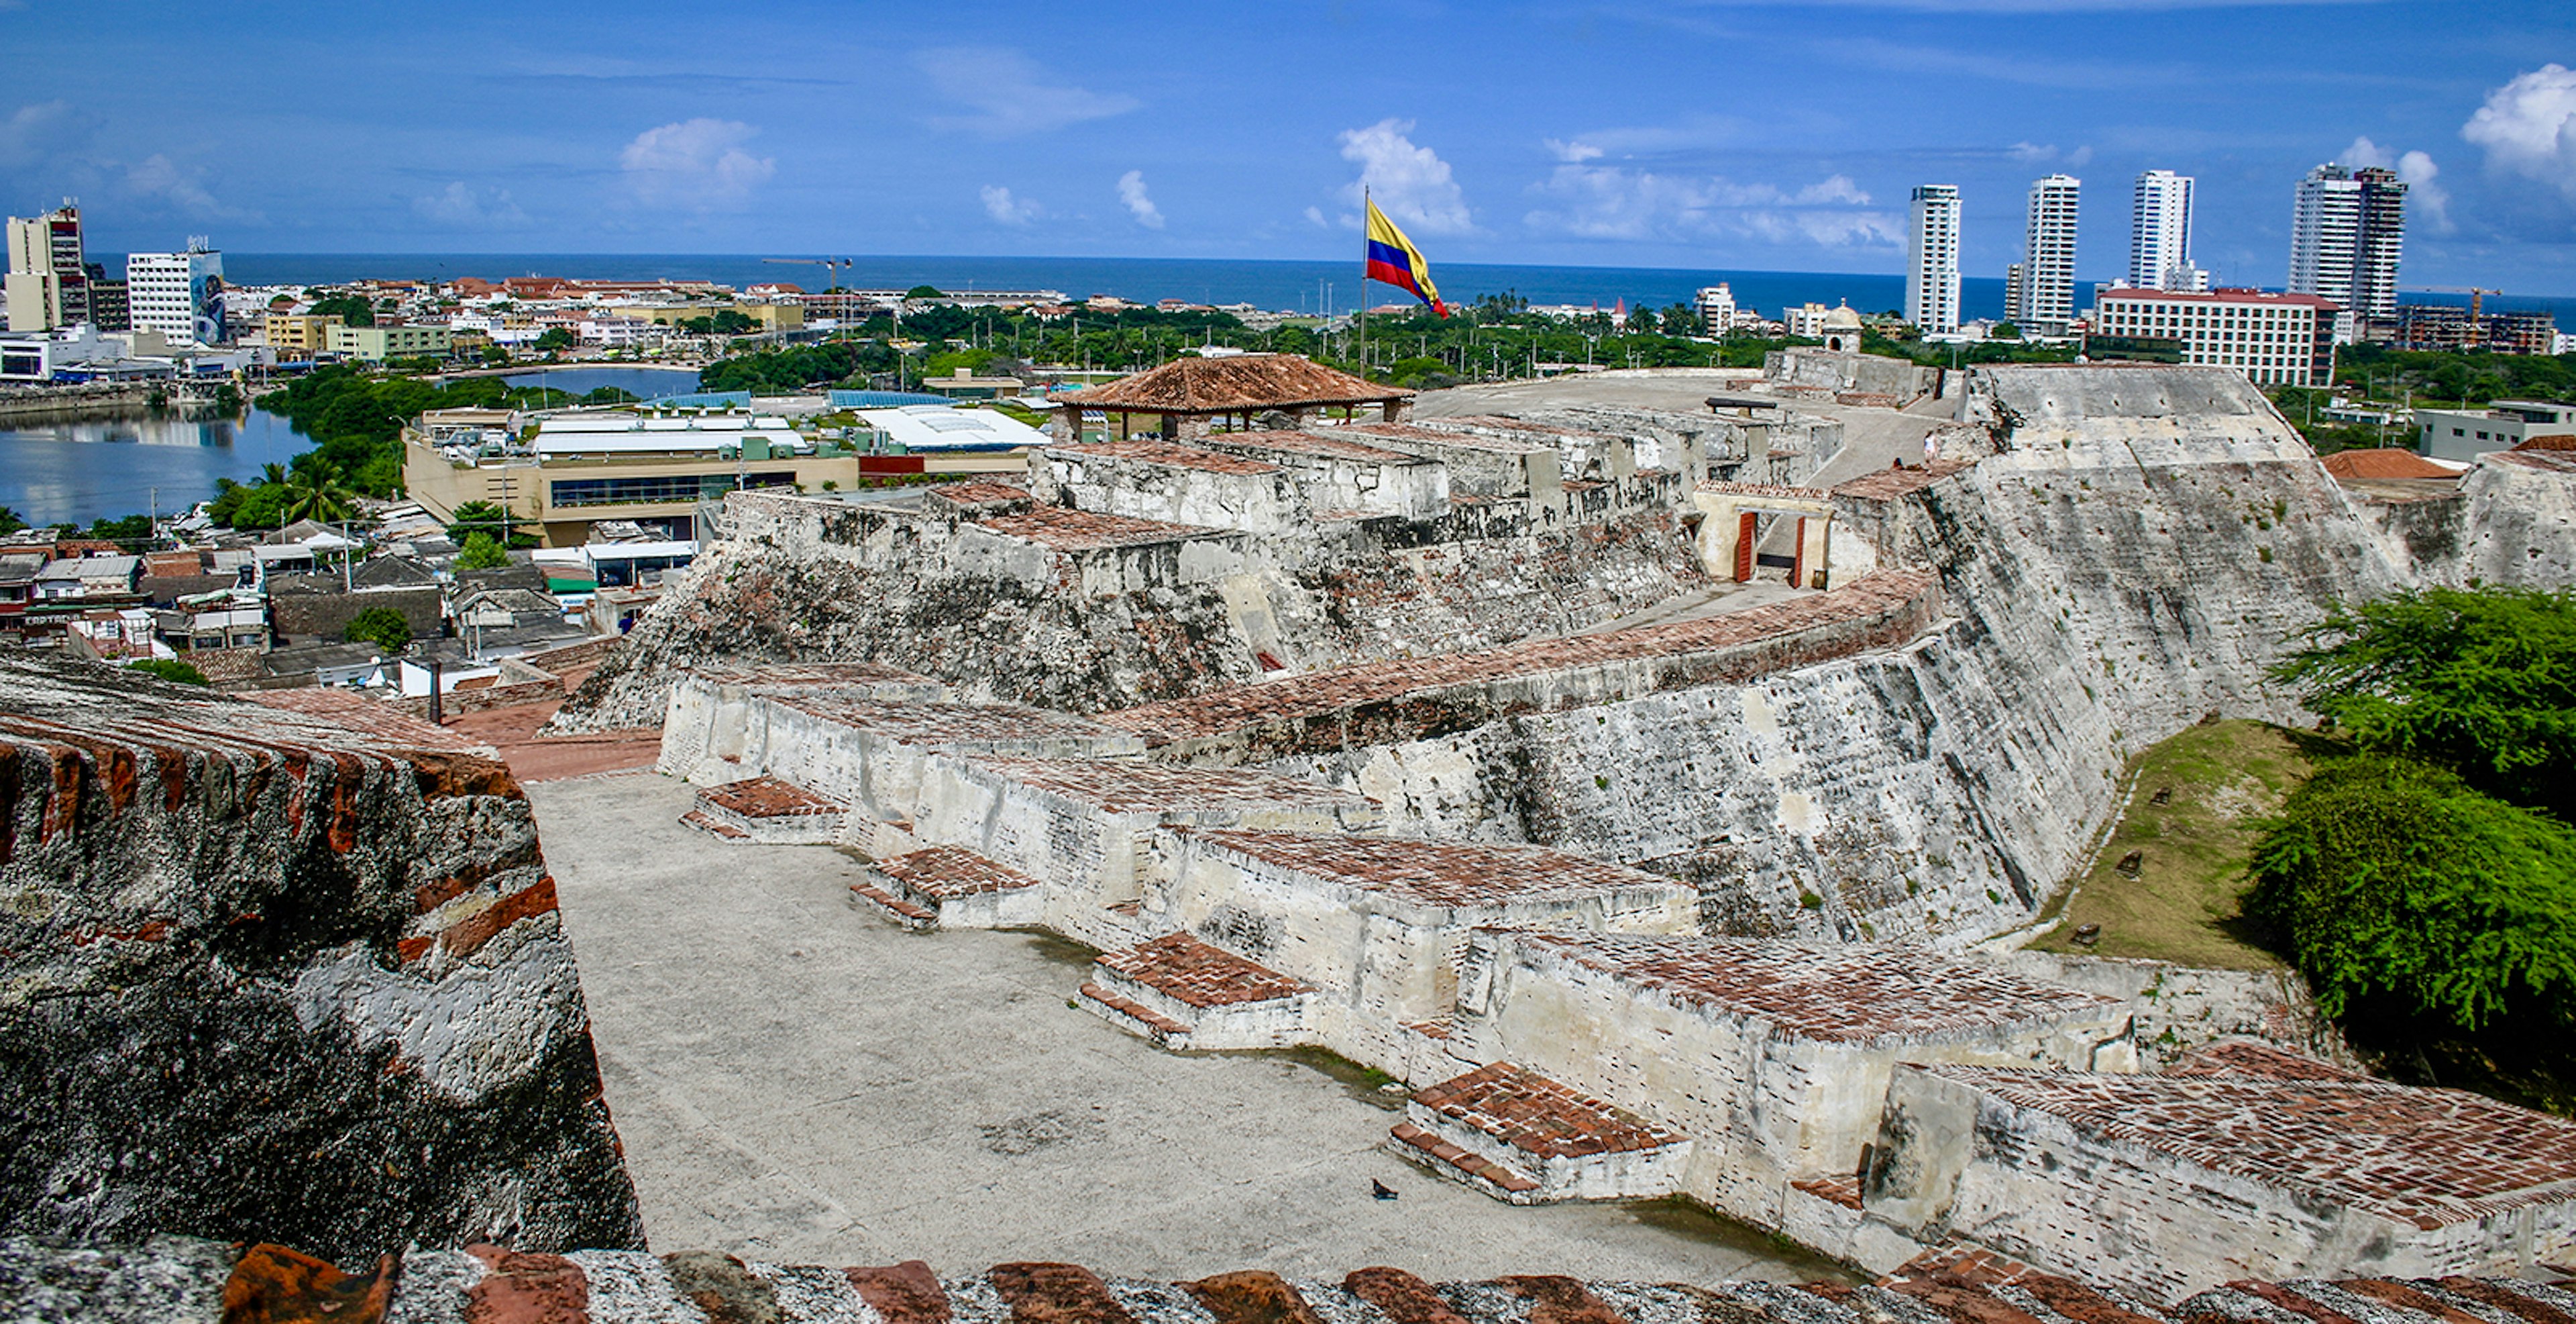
1162,1030
713,828
1572,1145
1415,1145
902,912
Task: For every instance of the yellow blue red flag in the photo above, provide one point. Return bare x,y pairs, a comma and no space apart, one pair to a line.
1393,260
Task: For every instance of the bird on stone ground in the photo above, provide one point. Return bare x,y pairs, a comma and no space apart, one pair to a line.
1380,1189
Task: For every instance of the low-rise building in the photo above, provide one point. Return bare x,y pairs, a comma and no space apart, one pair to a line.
2274,339
375,344
299,333
2466,434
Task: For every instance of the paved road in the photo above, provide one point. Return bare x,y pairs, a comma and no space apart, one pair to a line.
797,1080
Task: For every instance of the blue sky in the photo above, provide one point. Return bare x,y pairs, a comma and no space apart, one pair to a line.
1724,135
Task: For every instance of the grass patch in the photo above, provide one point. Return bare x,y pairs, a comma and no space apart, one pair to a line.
1366,1084
2220,779
1683,1217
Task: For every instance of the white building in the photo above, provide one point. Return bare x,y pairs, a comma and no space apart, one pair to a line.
2048,263
178,294
2274,339
2160,235
1932,260
1716,305
2347,233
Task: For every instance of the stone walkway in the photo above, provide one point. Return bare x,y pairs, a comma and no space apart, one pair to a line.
796,1080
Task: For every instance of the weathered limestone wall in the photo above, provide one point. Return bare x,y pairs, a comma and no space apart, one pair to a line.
1224,492
1768,1101
718,727
265,977
2513,523
2131,1210
2134,558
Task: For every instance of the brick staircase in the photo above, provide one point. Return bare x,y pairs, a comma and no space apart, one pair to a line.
1523,1138
1184,994
951,887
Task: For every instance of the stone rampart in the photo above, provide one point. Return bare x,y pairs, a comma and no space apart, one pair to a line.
265,975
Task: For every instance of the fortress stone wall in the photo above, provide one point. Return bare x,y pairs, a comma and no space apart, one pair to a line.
265,975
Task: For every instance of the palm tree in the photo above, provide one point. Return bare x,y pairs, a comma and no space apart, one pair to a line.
273,472
315,492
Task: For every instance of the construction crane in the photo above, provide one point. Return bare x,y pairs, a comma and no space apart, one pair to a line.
832,266
2477,295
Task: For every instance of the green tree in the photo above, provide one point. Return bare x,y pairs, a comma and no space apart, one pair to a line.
348,308
2391,880
481,553
485,517
315,492
2480,681
169,669
382,626
553,338
924,292
10,521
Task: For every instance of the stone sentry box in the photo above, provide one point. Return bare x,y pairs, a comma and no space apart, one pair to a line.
1773,1055
1377,924
2166,1185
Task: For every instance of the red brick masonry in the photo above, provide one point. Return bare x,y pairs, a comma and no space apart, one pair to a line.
1125,788
1192,973
950,871
767,797
193,1280
1537,1116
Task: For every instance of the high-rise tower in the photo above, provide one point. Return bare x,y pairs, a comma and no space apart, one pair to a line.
2347,233
2047,300
47,286
2160,237
1932,260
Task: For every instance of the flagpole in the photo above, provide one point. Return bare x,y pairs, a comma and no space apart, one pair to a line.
1365,207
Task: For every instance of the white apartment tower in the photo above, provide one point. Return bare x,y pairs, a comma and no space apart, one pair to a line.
2347,233
2160,237
2047,300
179,295
1932,260
1716,304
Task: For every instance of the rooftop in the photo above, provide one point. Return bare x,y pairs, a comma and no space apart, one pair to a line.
915,722
1321,444
943,427
1438,873
767,797
1829,992
2429,1157
1166,453
1889,484
1068,530
1122,787
977,494
1535,1115
1193,973
950,871
2217,296
2389,462
1234,384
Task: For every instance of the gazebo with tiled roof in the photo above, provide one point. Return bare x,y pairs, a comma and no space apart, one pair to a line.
1193,396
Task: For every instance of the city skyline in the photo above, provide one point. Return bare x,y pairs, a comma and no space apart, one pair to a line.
1523,136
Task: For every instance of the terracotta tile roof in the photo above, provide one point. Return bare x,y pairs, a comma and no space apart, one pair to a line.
1437,873
2548,441
1537,1116
977,493
1889,484
1716,488
1323,693
2385,462
1122,787
1193,385
939,723
1068,530
1194,974
190,1278
2430,1157
950,871
1835,993
766,797
1322,444
1166,453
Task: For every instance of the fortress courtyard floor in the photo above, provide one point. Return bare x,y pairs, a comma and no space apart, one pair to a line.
799,1081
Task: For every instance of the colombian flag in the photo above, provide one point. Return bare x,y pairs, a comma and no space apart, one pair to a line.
1393,260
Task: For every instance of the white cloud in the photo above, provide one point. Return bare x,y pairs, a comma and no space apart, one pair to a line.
1571,152
2528,127
1010,94
1316,215
2030,153
2417,169
1002,207
1412,184
157,177
1612,202
465,208
1131,191
2079,157
697,163
35,131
